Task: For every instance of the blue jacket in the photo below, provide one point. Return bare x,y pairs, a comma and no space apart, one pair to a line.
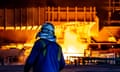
45,62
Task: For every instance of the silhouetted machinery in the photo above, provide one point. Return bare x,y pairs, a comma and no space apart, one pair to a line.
115,18
11,55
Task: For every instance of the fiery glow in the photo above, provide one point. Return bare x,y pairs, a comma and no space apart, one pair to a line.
29,45
76,37
17,28
9,28
23,28
29,27
112,39
1,28
34,28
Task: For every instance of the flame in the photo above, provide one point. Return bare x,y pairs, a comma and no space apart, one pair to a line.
76,37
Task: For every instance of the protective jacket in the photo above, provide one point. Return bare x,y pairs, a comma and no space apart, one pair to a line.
46,56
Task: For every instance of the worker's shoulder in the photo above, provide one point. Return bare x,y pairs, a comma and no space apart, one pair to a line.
42,41
56,44
47,42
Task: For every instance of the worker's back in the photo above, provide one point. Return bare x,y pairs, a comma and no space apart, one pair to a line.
46,54
47,59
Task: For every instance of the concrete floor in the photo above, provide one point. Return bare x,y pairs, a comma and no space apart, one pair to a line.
69,68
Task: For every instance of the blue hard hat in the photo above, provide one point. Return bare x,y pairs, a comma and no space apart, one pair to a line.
47,27
47,32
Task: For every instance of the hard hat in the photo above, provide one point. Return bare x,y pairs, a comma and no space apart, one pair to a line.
47,32
47,28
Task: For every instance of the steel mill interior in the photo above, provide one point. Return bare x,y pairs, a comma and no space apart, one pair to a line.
87,30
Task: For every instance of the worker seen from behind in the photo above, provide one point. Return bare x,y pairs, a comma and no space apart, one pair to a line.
46,54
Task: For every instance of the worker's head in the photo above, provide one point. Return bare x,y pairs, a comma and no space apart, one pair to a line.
47,28
47,32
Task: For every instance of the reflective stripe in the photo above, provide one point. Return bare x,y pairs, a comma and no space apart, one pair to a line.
44,47
59,54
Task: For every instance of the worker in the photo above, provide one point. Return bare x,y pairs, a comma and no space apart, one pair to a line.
46,54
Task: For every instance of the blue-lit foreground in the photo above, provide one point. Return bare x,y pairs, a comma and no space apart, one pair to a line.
69,68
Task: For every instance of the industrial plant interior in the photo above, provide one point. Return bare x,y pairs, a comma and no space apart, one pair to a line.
87,30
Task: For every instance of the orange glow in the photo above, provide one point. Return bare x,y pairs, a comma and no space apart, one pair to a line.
112,39
23,28
35,27
74,29
75,37
72,36
73,33
8,47
9,28
1,28
29,45
17,28
29,27
19,46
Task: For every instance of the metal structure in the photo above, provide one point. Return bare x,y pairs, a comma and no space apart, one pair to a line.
114,5
77,22
66,14
80,22
27,21
21,18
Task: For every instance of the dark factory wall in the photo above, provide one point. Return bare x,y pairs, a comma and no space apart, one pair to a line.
17,36
21,16
29,3
101,5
